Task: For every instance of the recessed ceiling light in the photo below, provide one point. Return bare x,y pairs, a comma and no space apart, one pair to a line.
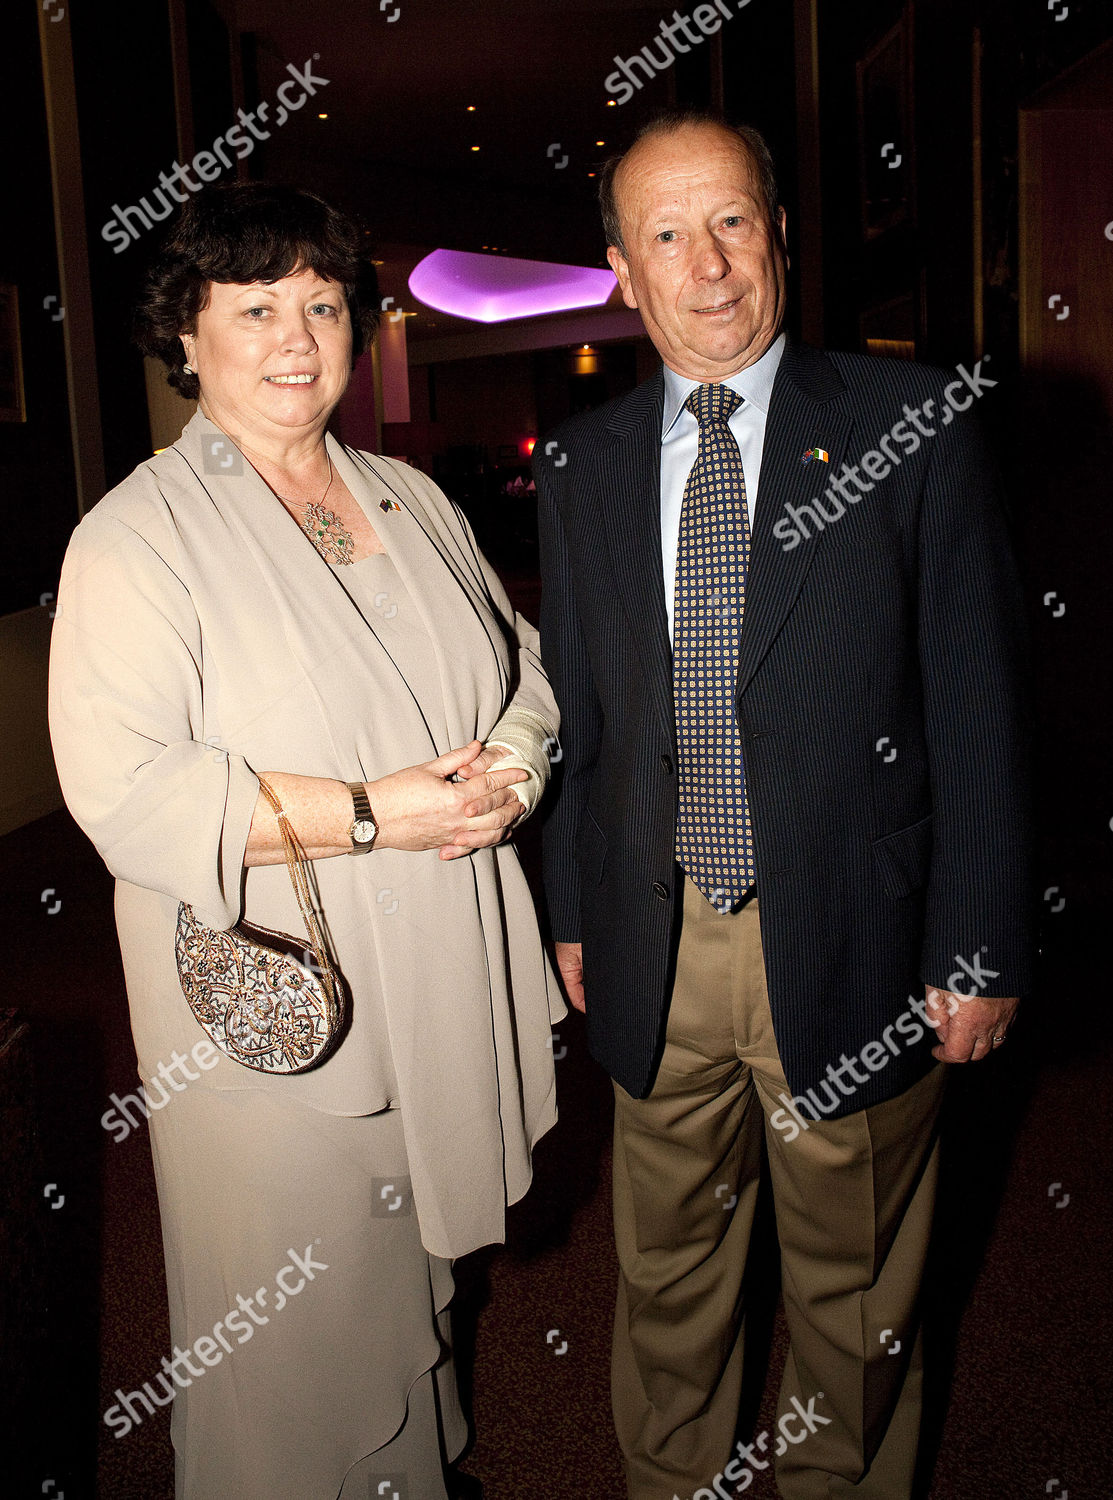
471,109
600,143
475,148
611,103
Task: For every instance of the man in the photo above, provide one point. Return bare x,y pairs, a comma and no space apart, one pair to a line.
781,622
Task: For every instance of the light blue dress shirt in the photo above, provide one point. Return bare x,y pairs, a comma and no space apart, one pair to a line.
680,445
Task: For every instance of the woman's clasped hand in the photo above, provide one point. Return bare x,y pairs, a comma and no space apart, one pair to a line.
423,807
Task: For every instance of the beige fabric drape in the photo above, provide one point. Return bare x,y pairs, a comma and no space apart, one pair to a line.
200,639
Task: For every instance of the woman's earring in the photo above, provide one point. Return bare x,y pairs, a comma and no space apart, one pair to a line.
189,370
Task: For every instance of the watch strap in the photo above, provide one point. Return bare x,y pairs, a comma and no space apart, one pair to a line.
360,803
361,813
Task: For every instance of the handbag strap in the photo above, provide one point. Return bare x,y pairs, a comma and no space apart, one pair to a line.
297,863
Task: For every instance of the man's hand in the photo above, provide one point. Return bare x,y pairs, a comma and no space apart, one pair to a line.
968,1027
570,962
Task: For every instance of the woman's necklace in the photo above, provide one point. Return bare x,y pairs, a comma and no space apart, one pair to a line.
325,529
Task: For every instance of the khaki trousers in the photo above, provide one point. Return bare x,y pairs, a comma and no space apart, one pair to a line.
854,1199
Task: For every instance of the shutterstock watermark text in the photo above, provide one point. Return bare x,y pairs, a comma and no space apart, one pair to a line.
677,36
176,185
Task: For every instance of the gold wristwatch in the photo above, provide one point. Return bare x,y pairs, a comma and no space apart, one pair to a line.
363,827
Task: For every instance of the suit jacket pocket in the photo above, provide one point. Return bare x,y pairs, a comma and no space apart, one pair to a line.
591,851
904,857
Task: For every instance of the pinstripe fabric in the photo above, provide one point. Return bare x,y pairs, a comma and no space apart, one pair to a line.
899,619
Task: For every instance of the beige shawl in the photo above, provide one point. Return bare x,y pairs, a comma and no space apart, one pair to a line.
200,639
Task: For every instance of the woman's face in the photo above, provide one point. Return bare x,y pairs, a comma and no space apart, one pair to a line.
273,358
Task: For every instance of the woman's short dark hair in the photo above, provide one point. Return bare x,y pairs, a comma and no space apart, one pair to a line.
667,122
243,232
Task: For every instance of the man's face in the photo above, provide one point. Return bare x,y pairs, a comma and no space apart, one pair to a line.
703,264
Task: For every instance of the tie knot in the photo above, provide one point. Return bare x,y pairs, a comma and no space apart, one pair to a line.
713,403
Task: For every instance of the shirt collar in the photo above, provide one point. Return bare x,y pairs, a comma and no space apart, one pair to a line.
753,384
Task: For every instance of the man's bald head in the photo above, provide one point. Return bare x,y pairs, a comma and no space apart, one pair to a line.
668,122
700,255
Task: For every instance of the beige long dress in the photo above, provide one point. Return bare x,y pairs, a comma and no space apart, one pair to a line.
200,639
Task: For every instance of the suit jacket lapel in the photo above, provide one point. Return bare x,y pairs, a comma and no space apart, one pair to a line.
630,486
466,641
306,630
803,414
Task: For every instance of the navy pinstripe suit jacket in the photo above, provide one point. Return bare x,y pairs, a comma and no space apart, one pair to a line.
898,620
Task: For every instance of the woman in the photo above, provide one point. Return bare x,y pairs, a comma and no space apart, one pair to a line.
259,601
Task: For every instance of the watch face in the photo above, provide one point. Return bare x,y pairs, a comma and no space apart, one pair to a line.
362,831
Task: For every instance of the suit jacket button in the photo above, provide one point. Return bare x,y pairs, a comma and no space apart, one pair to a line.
660,890
666,763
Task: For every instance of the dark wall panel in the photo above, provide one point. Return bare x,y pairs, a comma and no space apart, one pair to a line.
36,459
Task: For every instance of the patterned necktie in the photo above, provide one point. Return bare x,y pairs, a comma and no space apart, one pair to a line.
714,842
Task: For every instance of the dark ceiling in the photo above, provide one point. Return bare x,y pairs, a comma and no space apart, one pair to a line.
399,138
410,98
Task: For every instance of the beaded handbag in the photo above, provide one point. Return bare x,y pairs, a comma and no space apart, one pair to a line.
254,991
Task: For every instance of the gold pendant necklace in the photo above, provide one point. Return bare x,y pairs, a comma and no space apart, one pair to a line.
325,529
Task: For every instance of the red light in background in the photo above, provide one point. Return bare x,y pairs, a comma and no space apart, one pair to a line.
530,444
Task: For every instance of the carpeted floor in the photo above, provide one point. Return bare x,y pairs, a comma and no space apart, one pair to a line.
1021,1296
1020,1325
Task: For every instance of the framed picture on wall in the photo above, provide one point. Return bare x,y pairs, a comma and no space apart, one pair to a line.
12,408
886,161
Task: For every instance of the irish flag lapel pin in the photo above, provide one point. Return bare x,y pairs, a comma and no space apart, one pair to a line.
820,453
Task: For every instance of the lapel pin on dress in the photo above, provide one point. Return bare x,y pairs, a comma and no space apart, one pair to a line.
388,505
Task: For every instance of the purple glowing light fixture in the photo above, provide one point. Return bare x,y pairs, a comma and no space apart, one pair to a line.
495,288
